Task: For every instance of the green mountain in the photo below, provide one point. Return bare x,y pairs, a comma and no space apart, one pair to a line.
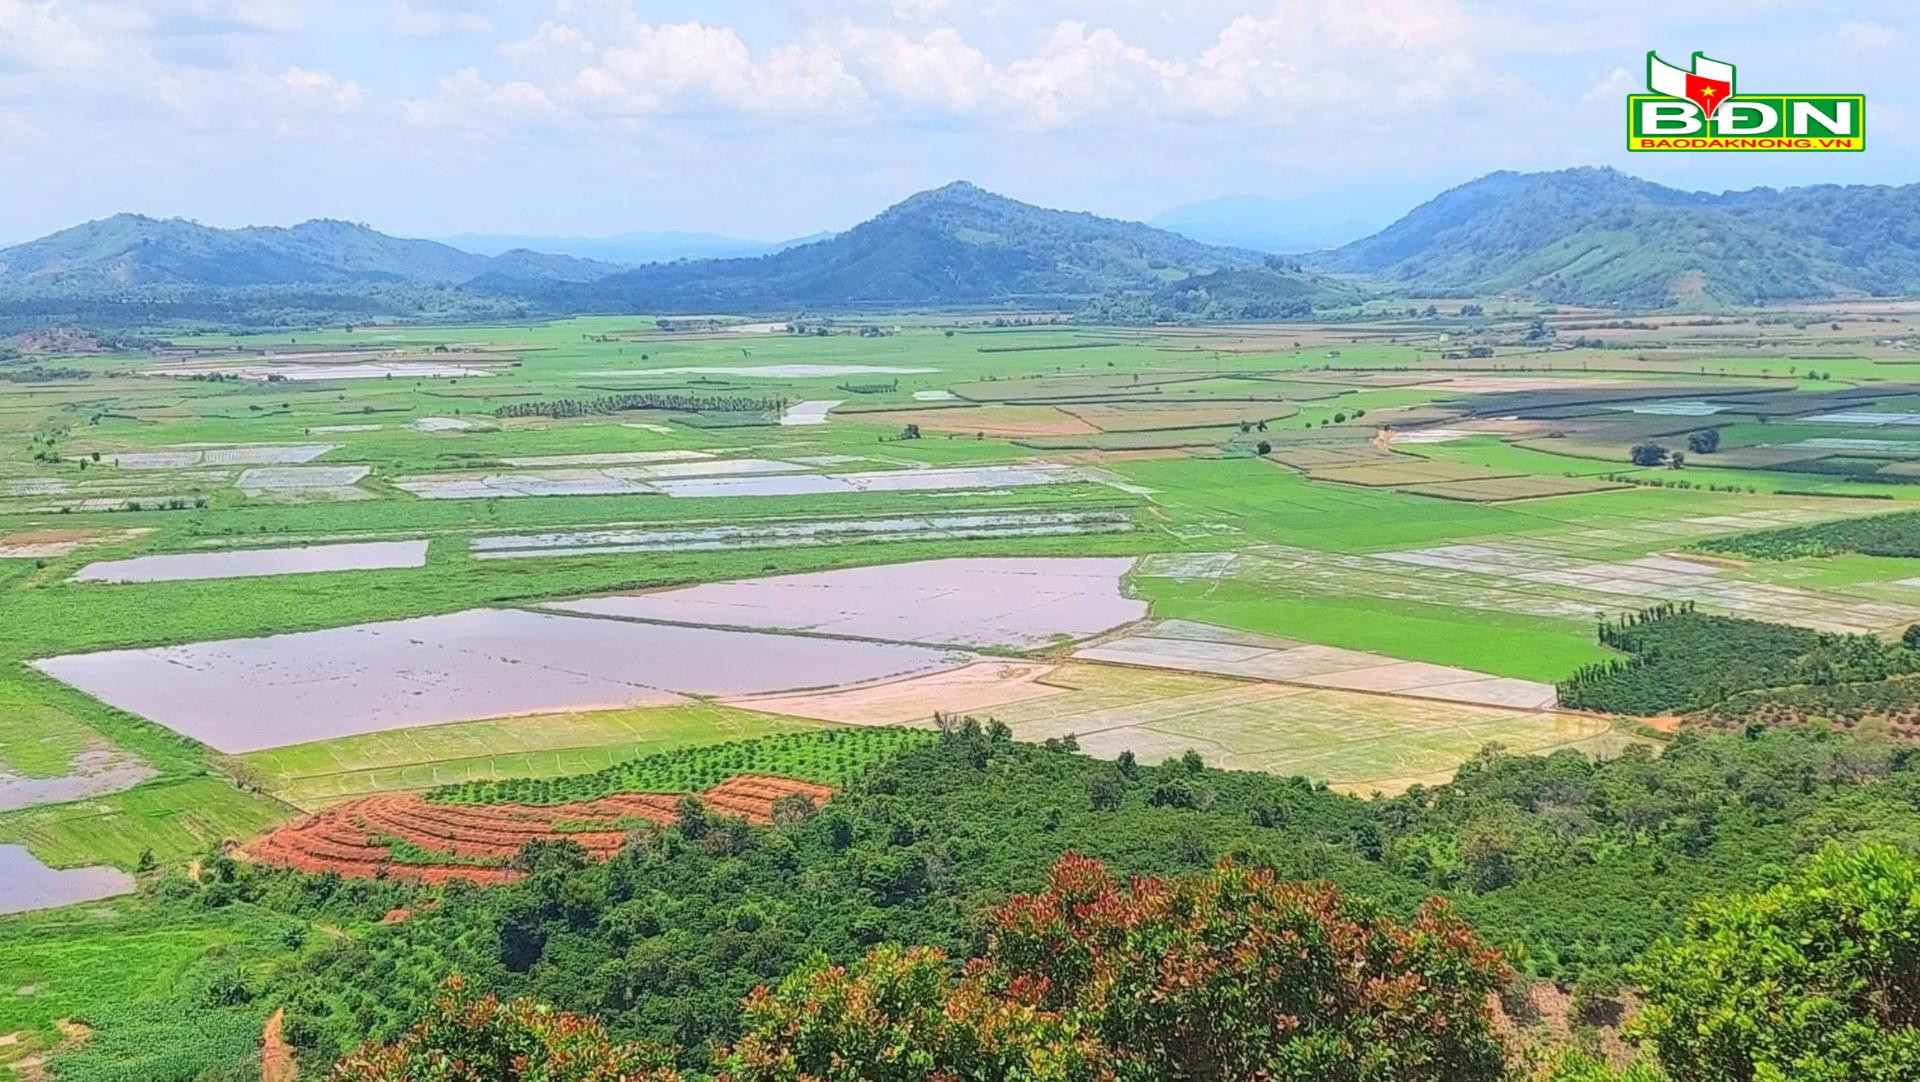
131,251
1601,237
954,246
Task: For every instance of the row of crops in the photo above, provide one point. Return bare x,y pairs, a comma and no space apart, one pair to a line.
1879,535
828,756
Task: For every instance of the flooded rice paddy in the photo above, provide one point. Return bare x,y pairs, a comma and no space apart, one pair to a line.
243,695
801,534
1193,647
808,413
1005,602
95,772
32,885
180,458
257,563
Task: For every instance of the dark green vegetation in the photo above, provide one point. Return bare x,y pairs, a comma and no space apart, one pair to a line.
1894,701
1686,660
1572,867
1881,535
1817,978
956,245
621,403
1270,290
830,757
1597,236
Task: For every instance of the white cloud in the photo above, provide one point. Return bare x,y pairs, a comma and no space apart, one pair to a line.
310,85
35,34
16,128
416,19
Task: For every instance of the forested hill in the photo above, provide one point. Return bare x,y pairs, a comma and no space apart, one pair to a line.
131,251
1601,237
956,245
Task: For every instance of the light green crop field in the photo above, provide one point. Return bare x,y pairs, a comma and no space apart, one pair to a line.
1506,588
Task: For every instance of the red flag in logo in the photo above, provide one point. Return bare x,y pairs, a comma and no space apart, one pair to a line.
1707,85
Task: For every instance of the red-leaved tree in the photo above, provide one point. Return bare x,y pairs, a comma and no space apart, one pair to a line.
468,1039
1230,974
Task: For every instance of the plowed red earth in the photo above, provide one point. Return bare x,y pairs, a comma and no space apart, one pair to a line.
476,840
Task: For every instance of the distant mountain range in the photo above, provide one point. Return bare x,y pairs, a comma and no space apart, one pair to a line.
131,251
1580,236
629,248
1601,237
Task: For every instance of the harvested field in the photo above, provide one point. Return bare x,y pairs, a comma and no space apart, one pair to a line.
442,424
253,563
1354,741
405,837
244,695
41,544
1150,417
987,420
1501,489
1191,647
979,688
975,602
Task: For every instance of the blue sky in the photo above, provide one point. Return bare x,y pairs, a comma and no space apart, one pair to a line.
771,118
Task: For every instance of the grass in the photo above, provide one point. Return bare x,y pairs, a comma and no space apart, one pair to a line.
91,962
551,745
175,819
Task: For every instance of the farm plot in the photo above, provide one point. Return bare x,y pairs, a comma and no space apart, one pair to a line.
406,837
1016,420
1151,417
803,534
32,885
1503,489
252,563
1192,647
1010,602
979,688
1351,740
925,479
244,695
46,543
602,481
538,746
187,457
1551,575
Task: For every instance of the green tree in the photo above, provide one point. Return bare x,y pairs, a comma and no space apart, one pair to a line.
1815,980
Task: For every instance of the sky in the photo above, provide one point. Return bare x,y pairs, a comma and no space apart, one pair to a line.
776,118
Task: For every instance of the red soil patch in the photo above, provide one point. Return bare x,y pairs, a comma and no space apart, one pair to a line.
475,842
276,1055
